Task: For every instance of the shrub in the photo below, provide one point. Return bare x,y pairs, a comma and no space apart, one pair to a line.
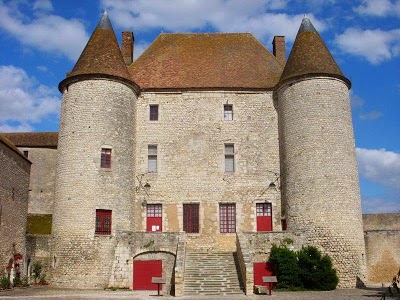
286,267
316,272
306,269
4,283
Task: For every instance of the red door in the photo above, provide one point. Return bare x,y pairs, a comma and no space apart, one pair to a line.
264,216
262,269
143,271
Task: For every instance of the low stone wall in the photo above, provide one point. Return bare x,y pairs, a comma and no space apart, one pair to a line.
133,246
382,243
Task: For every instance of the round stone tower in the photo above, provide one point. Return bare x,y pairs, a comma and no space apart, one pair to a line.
95,164
320,188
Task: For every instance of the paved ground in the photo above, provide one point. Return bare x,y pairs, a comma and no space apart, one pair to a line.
49,293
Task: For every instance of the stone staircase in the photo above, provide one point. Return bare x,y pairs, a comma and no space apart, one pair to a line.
212,274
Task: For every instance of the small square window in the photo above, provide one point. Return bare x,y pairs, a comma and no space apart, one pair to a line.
228,112
105,161
153,112
152,158
103,222
229,158
26,154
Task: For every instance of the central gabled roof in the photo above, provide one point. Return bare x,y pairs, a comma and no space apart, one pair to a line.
215,60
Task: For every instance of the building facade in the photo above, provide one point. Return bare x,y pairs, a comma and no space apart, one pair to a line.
207,144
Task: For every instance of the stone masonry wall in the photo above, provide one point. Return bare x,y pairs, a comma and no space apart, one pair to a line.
14,186
95,114
190,135
382,241
42,179
319,171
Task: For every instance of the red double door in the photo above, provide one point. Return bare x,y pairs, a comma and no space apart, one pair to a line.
144,271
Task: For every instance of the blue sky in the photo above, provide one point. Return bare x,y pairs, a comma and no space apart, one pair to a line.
41,40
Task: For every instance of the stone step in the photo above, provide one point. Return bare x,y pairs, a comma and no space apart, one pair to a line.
211,274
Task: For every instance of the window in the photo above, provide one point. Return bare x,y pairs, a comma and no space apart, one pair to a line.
229,158
227,218
26,154
264,216
152,158
228,112
105,158
153,112
191,218
154,217
103,221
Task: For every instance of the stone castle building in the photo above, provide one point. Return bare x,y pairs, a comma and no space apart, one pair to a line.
205,150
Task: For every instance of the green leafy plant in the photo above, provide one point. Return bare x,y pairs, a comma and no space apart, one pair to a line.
286,267
37,271
4,283
306,269
316,272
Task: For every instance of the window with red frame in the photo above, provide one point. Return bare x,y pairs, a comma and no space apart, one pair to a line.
154,217
105,158
103,221
191,218
227,218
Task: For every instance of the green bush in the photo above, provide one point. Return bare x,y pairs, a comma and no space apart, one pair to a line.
306,269
316,272
286,267
4,283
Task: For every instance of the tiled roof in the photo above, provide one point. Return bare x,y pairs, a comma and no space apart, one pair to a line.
233,60
33,139
101,55
310,55
9,144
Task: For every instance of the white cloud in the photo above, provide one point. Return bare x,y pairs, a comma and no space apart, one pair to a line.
355,100
380,166
378,205
23,101
258,16
48,33
372,115
23,127
375,45
379,8
44,5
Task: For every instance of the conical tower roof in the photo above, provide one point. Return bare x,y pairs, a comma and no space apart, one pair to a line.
310,56
101,56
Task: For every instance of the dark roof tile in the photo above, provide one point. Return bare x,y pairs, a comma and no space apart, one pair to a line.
33,139
310,56
101,56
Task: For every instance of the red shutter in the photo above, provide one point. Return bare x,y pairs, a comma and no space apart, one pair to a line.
154,218
264,216
143,271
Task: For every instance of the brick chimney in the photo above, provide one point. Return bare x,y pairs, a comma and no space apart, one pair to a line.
127,46
279,49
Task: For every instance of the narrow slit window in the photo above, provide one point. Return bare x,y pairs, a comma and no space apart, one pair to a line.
152,158
229,158
105,158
